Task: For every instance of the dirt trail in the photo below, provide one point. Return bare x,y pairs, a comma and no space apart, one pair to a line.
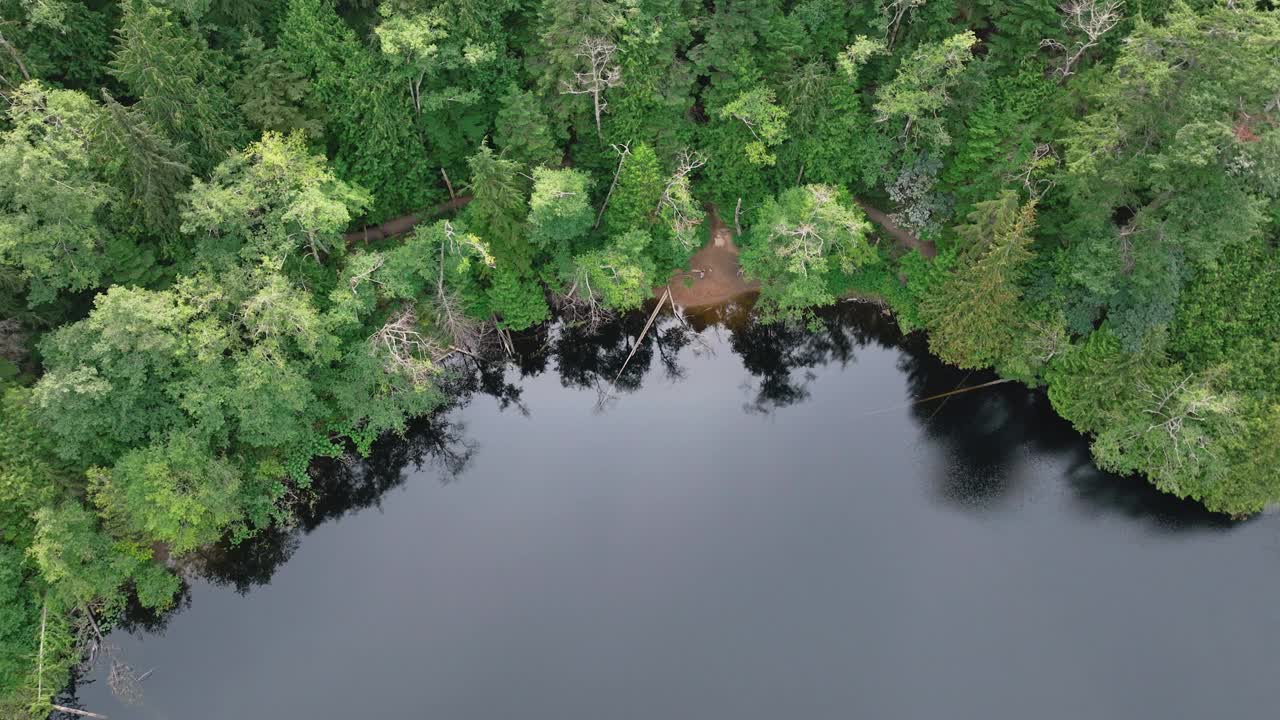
904,238
404,223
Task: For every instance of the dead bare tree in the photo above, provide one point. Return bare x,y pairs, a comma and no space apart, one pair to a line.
682,212
602,73
623,151
405,351
896,11
1043,157
124,682
1087,21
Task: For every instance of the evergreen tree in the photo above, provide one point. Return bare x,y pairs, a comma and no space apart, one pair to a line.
368,118
498,208
634,202
272,95
522,132
179,82
974,317
152,172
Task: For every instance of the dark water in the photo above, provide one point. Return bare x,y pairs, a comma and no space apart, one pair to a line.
762,531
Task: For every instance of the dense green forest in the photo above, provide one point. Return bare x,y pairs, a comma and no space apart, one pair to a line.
191,310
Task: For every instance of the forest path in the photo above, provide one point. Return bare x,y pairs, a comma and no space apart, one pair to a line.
904,239
404,223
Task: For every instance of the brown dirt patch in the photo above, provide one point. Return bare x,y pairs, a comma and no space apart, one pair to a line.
714,276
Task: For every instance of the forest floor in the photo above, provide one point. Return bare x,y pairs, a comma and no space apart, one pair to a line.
714,276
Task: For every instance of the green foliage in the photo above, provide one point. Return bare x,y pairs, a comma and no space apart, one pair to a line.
1151,415
202,330
272,95
522,131
560,211
974,316
1168,167
51,231
766,121
174,492
271,202
150,171
798,241
634,201
179,82
621,276
1230,316
368,118
81,564
518,301
498,207
921,90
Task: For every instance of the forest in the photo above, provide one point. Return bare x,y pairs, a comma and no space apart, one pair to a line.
199,297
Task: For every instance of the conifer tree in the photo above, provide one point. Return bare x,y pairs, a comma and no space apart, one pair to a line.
498,207
179,82
522,132
152,171
634,202
974,316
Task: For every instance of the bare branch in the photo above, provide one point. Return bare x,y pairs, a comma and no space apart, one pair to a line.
1088,21
405,351
601,75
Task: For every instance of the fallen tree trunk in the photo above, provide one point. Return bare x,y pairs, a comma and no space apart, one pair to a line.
404,223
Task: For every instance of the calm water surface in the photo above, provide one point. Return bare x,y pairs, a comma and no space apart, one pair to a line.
757,527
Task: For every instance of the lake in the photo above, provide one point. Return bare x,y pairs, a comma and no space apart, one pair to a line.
757,523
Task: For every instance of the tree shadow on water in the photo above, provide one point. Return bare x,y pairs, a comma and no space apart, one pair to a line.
988,435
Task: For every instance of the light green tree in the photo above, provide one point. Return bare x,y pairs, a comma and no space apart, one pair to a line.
560,211
52,232
272,201
764,118
173,491
916,97
799,240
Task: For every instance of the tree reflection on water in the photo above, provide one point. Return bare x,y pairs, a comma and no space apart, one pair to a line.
985,435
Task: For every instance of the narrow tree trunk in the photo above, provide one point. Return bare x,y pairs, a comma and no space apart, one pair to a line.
622,156
17,59
44,615
595,97
448,184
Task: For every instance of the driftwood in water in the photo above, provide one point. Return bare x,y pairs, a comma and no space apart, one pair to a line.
939,396
662,301
81,713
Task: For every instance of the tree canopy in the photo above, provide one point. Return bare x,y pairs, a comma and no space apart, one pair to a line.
236,237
